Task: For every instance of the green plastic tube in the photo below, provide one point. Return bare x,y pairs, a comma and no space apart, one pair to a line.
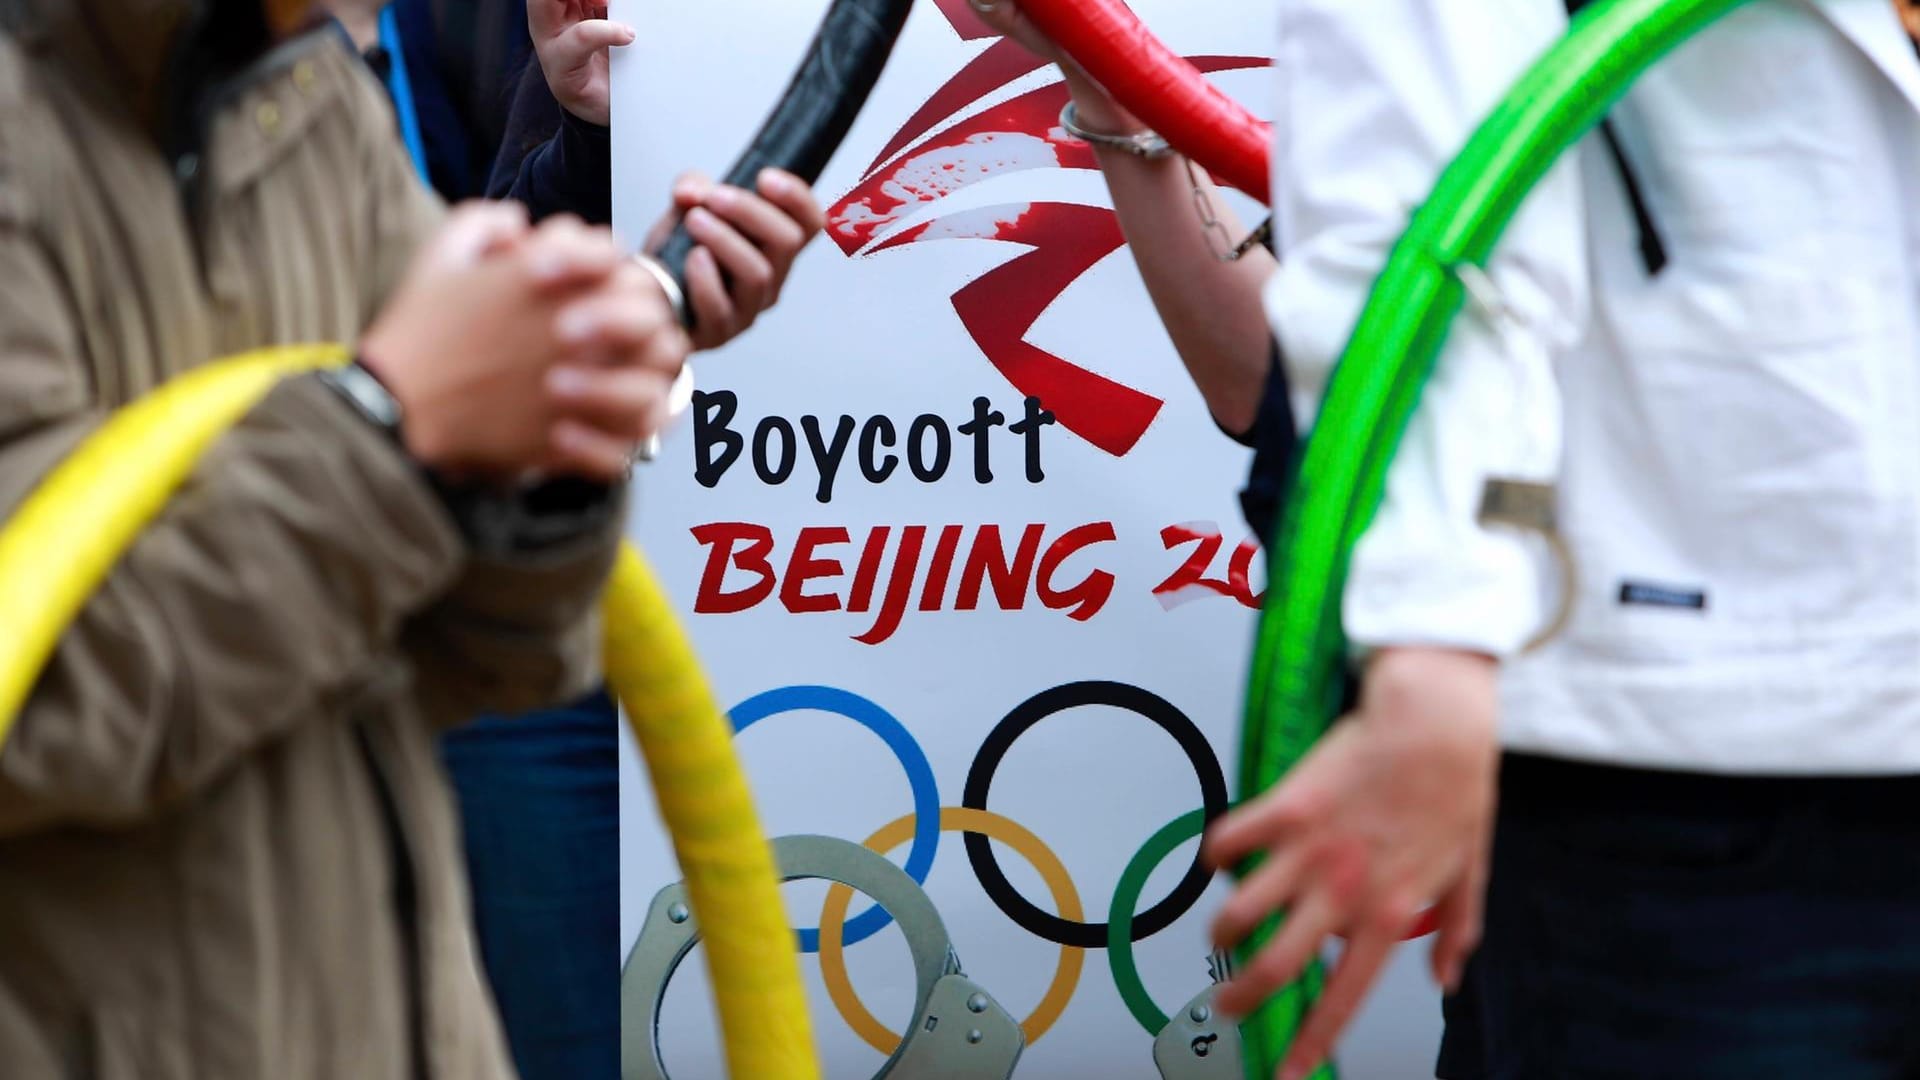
1299,660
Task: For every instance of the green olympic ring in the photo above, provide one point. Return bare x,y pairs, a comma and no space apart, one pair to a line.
1126,900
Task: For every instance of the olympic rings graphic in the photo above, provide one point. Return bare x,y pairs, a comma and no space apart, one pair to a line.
926,794
1066,927
1066,976
1068,930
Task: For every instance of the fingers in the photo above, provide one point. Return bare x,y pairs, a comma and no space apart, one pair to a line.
1264,823
629,321
751,275
475,230
624,403
566,253
579,449
776,237
1359,968
716,319
577,45
794,198
1460,915
1263,893
691,189
1285,957
545,18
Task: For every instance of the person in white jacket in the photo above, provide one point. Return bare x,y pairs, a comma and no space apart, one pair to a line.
1705,861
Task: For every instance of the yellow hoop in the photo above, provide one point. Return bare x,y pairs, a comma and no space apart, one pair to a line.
67,535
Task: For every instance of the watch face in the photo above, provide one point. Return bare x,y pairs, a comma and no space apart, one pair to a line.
367,396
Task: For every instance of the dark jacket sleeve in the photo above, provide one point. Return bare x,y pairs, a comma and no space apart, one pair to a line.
1275,441
551,160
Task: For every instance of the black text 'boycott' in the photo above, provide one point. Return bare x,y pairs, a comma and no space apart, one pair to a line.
876,446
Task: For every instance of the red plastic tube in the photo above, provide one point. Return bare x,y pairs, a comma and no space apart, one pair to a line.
1160,87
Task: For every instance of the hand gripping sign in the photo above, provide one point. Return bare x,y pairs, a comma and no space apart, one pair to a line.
1298,662
67,535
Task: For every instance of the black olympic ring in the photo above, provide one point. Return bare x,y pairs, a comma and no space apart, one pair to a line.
986,867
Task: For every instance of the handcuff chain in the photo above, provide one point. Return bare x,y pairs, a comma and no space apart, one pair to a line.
1218,238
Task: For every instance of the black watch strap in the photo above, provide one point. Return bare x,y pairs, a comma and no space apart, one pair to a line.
492,521
368,396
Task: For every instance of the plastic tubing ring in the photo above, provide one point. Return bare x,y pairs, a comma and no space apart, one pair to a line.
1066,976
1161,87
926,794
1213,791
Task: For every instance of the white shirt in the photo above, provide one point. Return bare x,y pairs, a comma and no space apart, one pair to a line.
1736,439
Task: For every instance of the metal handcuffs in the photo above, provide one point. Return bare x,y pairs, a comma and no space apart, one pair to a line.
959,1032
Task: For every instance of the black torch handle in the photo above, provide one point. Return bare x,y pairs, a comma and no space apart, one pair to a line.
819,108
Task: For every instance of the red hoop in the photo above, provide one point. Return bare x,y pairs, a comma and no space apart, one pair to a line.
1166,92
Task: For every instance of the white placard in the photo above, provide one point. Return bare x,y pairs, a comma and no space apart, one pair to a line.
1084,546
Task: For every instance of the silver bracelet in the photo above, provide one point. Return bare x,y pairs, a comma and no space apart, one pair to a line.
1146,144
676,297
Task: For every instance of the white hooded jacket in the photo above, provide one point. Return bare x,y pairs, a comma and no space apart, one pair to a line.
1736,438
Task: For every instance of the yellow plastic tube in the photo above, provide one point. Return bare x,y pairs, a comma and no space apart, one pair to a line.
734,888
67,535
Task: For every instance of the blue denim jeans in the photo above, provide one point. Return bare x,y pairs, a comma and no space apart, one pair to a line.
1645,925
540,798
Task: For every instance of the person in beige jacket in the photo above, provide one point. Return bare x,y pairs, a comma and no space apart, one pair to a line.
227,850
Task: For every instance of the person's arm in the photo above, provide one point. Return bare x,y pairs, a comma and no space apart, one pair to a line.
310,547
552,160
1375,101
1391,812
272,584
517,628
1211,308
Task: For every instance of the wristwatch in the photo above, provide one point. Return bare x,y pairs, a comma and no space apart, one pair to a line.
369,397
493,521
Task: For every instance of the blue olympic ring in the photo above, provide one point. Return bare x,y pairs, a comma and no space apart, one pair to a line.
926,795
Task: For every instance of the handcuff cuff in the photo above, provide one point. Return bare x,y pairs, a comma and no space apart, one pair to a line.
959,1032
680,396
1151,146
1197,1043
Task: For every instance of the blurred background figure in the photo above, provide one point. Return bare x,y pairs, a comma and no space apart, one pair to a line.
513,99
1694,864
227,850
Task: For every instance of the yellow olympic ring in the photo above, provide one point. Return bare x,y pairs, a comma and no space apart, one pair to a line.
833,916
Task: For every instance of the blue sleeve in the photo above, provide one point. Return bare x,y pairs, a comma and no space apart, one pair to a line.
551,160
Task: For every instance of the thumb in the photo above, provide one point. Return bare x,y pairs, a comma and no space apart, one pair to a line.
475,230
577,45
